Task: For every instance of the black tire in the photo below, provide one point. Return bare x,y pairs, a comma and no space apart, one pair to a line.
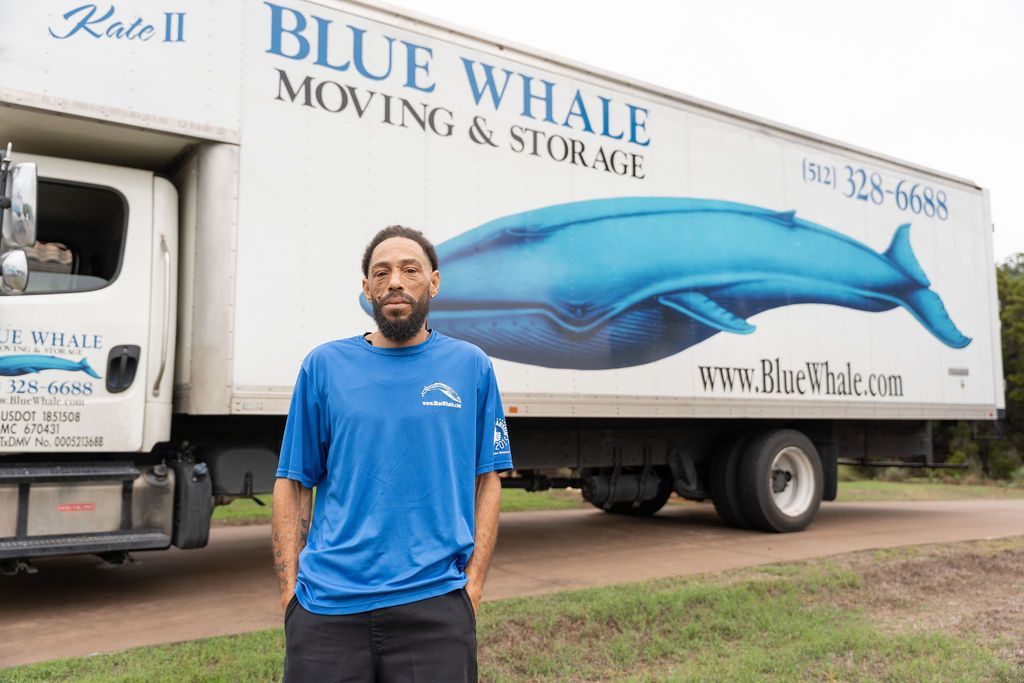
798,472
724,479
646,507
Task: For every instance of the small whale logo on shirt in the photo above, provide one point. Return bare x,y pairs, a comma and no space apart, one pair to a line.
454,400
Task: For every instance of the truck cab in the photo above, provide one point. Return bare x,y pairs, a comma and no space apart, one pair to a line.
87,352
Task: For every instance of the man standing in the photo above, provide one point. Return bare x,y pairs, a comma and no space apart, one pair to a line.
402,434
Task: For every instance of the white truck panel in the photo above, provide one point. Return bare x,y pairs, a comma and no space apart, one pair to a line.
172,69
338,177
276,221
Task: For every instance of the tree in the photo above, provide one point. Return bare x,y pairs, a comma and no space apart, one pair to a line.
998,459
1010,283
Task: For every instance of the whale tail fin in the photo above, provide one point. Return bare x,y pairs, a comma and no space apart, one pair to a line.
923,303
901,254
927,307
84,366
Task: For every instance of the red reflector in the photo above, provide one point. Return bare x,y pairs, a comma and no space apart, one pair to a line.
76,507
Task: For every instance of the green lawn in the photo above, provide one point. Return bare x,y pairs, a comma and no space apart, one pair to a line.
246,511
822,620
517,500
921,489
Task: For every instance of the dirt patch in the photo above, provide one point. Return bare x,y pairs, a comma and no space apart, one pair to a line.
966,588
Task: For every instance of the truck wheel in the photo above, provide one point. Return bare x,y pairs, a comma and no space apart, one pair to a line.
724,476
648,507
780,481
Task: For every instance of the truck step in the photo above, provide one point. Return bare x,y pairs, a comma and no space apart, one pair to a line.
39,546
19,474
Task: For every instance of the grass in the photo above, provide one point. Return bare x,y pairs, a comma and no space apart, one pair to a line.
518,500
247,511
822,620
254,656
873,490
243,511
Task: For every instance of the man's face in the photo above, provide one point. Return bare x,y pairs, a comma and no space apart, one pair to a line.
399,285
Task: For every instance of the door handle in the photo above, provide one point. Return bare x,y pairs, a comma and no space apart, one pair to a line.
122,362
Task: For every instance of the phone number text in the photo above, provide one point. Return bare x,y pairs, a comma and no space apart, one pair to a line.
865,185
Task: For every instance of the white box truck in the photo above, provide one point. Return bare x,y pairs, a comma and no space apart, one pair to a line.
677,297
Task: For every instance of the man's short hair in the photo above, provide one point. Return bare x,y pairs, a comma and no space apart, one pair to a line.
399,231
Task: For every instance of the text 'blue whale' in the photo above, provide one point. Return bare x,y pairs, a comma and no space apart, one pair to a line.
613,283
27,364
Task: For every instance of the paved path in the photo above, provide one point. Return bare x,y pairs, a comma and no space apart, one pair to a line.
74,606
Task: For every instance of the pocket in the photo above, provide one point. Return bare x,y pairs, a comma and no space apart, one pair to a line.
291,607
469,606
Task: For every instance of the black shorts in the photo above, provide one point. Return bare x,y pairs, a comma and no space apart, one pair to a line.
427,640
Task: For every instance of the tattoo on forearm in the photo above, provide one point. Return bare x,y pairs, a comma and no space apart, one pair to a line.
291,504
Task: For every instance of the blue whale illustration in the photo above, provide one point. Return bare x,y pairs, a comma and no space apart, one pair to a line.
613,283
27,364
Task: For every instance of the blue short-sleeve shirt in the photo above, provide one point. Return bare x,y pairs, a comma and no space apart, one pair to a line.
392,439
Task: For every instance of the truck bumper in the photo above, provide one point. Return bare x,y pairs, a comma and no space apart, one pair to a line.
67,509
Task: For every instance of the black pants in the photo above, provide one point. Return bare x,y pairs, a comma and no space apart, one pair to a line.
427,640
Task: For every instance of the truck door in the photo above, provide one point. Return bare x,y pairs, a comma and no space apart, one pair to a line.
86,350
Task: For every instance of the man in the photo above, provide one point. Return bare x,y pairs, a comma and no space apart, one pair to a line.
402,434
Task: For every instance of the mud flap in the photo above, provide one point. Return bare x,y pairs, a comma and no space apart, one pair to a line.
193,504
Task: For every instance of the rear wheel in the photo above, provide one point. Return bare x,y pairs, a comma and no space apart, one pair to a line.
724,480
780,481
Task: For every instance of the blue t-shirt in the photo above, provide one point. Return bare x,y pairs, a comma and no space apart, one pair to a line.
392,439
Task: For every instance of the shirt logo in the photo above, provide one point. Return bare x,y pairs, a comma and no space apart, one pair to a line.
451,400
500,436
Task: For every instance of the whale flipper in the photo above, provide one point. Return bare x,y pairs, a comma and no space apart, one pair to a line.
703,309
926,306
901,254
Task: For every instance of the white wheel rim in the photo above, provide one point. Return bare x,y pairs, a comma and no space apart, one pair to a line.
796,497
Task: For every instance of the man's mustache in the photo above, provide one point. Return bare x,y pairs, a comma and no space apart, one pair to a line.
395,298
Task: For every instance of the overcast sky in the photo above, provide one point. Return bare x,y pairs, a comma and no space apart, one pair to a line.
938,83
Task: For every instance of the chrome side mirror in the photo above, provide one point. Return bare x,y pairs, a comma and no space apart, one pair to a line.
14,269
19,225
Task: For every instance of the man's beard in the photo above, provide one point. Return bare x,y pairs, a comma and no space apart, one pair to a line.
401,330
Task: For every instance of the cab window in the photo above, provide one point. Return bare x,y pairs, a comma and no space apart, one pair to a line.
80,238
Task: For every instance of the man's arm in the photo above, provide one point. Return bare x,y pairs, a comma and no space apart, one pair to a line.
488,505
292,514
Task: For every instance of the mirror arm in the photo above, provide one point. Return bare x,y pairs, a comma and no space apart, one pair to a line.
5,165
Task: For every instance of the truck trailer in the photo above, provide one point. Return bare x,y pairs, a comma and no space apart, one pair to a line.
677,297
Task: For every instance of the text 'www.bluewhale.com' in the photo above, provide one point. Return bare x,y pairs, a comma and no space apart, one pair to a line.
811,378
